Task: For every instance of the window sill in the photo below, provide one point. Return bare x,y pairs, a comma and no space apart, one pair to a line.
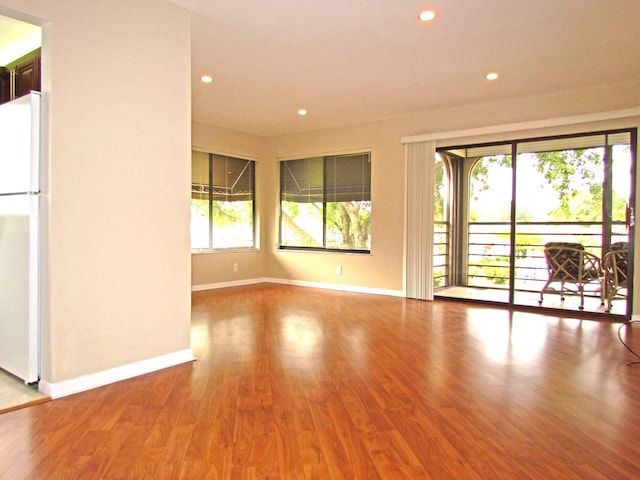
322,250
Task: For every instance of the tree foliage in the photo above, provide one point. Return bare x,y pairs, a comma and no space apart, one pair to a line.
351,221
571,182
572,174
440,190
347,224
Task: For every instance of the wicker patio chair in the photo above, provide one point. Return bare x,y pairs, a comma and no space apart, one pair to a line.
571,266
614,265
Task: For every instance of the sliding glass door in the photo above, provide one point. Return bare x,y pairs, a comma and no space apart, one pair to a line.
515,203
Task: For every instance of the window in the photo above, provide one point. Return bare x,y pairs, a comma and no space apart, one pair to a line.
222,202
325,203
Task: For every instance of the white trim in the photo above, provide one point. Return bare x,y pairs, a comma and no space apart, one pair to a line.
99,379
23,17
236,283
342,288
531,125
300,283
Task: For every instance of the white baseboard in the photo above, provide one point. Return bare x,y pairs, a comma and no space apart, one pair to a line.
99,379
284,281
237,283
342,288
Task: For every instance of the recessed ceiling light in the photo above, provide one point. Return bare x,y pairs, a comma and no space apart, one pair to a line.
302,112
492,76
206,79
427,15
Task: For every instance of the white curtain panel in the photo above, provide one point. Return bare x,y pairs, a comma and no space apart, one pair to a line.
420,157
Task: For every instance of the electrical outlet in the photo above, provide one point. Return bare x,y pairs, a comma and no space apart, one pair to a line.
338,269
235,267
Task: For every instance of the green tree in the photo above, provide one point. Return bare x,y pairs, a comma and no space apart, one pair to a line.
481,180
353,222
572,174
297,235
480,173
439,190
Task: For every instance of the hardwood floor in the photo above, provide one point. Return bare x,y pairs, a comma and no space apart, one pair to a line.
297,383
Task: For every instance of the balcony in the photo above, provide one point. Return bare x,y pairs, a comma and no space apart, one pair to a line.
487,269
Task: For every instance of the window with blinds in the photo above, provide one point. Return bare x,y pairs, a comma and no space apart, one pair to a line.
222,202
325,203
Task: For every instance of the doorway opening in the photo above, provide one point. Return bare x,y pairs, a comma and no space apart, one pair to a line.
20,73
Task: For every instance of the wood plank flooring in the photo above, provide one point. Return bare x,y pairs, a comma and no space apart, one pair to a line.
300,383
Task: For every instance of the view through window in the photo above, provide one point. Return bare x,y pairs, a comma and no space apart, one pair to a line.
510,200
325,203
222,202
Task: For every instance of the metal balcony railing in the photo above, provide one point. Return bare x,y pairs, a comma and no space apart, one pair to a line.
488,251
441,242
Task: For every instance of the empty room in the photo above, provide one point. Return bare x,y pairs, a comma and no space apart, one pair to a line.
277,240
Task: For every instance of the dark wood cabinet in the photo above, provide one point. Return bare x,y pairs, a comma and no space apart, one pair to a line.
20,77
27,77
5,85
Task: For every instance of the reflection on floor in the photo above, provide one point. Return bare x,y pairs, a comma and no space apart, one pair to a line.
592,302
15,394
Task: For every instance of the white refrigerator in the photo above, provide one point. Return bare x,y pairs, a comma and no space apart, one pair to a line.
20,237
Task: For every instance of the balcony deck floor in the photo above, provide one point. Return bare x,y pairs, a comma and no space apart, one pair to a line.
592,302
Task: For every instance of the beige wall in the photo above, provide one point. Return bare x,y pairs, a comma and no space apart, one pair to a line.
215,268
383,270
117,270
116,90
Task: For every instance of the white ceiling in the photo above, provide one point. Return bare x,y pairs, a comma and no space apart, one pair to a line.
17,39
351,61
